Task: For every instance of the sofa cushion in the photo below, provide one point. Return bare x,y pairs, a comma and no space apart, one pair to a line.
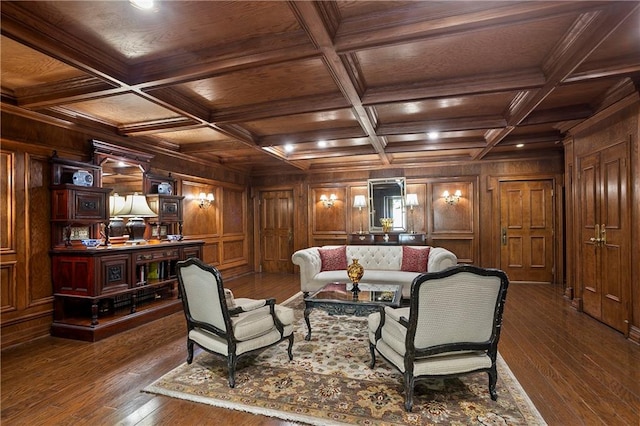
333,259
414,260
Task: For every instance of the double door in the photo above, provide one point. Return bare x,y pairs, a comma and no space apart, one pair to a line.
604,256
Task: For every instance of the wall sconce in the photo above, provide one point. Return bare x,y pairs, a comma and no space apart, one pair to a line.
452,199
359,201
412,201
328,202
205,200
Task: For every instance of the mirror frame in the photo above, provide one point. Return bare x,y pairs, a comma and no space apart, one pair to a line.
376,189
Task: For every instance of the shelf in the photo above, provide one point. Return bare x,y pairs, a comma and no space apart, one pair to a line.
80,328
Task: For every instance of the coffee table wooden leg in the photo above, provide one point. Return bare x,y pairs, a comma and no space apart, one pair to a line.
306,319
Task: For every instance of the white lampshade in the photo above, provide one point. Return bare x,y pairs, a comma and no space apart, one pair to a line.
412,200
135,205
359,201
116,203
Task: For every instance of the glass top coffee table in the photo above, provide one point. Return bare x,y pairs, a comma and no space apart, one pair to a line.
340,299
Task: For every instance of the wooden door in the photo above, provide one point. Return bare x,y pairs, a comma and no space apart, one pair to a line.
526,225
276,231
604,257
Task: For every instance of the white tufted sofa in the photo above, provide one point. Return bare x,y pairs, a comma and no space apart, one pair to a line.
382,265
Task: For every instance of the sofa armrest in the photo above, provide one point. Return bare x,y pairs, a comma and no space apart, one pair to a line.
310,264
440,259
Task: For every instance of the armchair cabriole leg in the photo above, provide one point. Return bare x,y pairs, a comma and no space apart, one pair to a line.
372,349
189,352
231,363
290,348
493,379
409,382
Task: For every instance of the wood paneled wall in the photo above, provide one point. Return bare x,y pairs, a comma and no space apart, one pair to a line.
25,268
619,123
467,228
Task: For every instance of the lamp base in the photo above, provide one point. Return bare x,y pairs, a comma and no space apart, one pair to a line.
136,227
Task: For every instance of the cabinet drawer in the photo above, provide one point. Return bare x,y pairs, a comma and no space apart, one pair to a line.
158,255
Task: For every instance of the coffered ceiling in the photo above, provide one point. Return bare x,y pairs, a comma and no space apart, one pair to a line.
346,85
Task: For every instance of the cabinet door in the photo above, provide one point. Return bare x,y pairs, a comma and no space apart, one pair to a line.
73,275
115,273
80,205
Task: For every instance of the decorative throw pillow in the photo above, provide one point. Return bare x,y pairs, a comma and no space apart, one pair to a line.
414,260
228,297
333,259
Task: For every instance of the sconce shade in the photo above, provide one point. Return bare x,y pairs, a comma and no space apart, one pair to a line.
412,200
328,201
452,199
135,205
359,201
205,200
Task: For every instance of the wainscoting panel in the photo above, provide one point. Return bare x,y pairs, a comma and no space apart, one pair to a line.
462,247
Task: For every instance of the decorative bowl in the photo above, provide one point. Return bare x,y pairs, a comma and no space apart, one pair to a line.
174,237
91,243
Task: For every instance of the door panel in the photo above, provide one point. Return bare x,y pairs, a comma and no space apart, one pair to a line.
527,225
276,231
615,250
589,208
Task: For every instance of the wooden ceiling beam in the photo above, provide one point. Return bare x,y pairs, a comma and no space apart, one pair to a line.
65,91
406,24
312,136
301,105
481,84
310,16
462,123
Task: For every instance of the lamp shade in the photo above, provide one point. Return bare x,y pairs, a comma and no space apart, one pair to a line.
412,200
116,203
359,201
135,205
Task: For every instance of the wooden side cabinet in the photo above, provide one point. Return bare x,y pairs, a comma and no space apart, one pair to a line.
106,290
390,239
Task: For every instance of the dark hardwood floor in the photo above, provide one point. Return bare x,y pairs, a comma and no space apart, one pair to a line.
576,370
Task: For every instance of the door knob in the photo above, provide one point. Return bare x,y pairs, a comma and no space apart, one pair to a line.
504,236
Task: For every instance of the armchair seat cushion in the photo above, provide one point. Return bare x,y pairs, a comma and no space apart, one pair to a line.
219,345
452,363
252,324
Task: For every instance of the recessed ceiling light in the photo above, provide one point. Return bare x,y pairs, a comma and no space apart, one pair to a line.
520,145
433,135
322,144
288,148
142,4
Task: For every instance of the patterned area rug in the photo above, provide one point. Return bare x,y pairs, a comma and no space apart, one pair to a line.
329,382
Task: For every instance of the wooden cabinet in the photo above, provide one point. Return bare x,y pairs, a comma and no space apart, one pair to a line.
102,291
388,239
77,211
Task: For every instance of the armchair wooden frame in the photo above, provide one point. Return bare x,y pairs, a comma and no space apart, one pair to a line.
228,333
414,355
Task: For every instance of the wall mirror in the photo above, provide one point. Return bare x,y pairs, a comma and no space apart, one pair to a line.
386,200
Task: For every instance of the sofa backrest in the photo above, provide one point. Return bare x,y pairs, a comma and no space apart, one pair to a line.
376,257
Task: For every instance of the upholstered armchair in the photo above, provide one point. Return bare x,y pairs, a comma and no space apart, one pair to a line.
451,327
225,326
